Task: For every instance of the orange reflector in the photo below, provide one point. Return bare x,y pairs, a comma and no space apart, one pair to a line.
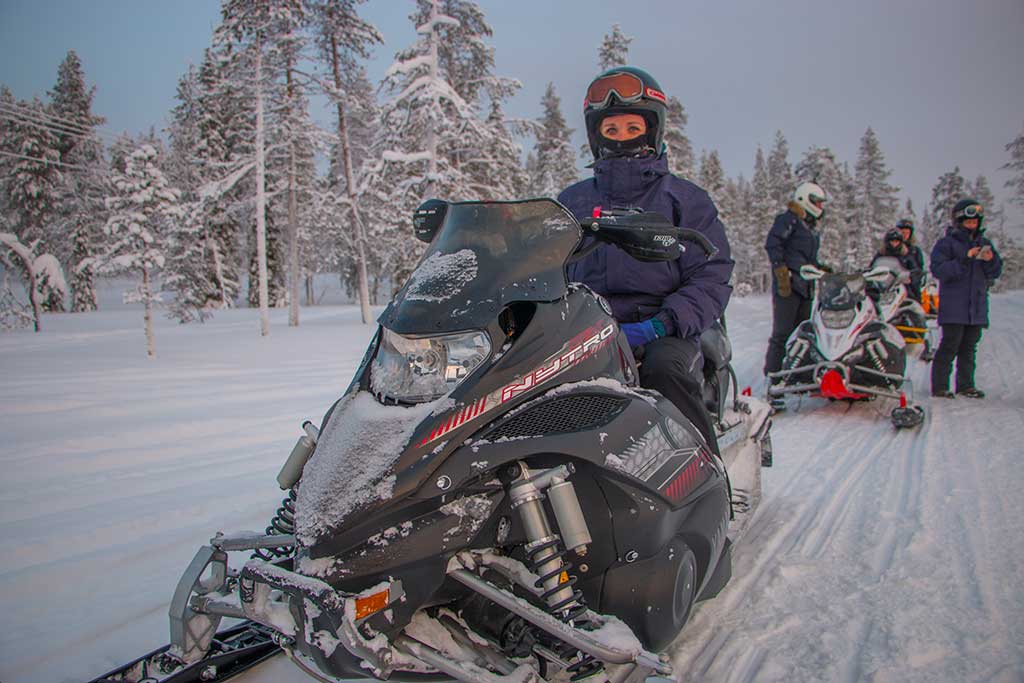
563,577
372,604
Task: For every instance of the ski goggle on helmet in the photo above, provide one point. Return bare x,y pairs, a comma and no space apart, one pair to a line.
626,87
970,211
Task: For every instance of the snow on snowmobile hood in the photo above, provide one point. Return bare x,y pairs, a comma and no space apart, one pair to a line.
351,466
485,255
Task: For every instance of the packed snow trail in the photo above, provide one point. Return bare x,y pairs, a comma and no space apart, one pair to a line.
876,554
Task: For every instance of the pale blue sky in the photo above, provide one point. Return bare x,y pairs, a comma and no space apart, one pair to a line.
941,81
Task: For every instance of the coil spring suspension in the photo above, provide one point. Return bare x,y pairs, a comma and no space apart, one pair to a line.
282,524
569,609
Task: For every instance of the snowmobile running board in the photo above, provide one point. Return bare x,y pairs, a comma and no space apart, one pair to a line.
233,651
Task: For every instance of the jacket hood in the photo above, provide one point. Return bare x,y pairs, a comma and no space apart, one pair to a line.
797,209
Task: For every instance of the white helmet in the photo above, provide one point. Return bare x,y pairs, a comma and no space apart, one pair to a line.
811,197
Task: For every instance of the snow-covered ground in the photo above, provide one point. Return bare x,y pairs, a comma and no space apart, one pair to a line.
876,555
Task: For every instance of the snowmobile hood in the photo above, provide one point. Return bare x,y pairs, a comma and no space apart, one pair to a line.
485,255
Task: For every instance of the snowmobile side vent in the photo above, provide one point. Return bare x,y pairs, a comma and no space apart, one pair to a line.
561,415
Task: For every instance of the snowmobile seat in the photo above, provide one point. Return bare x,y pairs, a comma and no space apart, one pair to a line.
715,347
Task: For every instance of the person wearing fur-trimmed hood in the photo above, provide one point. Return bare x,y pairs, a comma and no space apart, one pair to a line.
792,242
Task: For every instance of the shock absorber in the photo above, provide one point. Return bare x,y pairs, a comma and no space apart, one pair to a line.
283,524
545,550
283,521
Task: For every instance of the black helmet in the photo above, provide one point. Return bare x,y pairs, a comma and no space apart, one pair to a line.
968,208
894,234
905,223
625,90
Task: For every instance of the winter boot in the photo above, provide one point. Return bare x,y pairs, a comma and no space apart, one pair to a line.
971,392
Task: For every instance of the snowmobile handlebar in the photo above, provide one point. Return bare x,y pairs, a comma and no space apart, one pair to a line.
646,236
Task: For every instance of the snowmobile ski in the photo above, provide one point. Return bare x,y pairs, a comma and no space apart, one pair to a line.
232,651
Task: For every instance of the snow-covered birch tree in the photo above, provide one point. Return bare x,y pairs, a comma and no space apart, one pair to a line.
247,27
142,202
343,38
23,260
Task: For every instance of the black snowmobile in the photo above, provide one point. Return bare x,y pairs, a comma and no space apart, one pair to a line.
494,498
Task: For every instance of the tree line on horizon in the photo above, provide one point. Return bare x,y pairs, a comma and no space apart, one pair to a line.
236,198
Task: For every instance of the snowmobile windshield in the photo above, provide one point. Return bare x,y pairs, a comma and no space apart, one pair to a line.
841,292
485,255
899,272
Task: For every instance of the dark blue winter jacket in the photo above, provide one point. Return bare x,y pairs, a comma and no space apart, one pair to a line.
792,243
687,294
963,281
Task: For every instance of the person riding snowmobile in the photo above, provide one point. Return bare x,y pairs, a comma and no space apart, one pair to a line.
965,263
792,242
662,307
914,260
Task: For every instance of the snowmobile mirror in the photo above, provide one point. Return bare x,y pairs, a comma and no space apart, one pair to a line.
428,218
645,236
809,272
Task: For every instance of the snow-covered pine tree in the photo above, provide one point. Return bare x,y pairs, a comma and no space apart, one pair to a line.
342,39
34,179
780,173
677,144
1016,165
614,50
876,201
948,190
711,175
762,211
908,212
81,210
553,164
981,191
190,271
428,132
142,204
499,173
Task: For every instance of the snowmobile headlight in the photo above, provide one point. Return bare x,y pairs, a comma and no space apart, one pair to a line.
425,369
838,319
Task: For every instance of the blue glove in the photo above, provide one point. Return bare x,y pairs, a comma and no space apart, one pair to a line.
640,334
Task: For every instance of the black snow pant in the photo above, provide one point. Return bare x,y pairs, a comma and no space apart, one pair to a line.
959,342
674,368
787,313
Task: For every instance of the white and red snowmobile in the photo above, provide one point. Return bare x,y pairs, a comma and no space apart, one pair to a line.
896,307
846,350
494,499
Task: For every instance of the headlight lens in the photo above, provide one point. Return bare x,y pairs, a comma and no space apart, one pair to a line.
418,370
838,319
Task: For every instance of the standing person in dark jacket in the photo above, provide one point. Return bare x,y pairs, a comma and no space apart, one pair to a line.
662,307
965,263
914,259
792,242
